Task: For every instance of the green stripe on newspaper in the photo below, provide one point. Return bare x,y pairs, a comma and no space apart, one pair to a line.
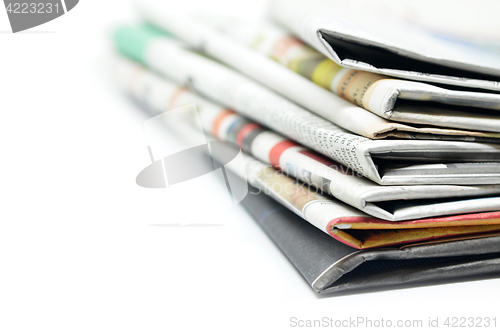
132,40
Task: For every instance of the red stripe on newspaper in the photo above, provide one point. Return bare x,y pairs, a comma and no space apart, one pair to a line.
358,219
277,150
445,219
173,98
244,131
218,120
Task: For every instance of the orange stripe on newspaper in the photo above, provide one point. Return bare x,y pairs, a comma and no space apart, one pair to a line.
355,84
346,83
277,150
218,120
175,96
244,131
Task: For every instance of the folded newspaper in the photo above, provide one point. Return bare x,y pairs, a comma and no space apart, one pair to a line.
312,97
394,99
358,39
331,267
342,222
393,203
426,249
387,162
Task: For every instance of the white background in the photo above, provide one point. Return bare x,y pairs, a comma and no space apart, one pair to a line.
78,245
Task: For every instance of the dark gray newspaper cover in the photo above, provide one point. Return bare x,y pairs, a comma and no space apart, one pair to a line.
330,266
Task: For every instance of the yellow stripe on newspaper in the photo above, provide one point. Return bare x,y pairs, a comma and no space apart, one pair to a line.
324,73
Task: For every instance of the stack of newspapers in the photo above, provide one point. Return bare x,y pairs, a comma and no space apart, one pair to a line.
383,136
